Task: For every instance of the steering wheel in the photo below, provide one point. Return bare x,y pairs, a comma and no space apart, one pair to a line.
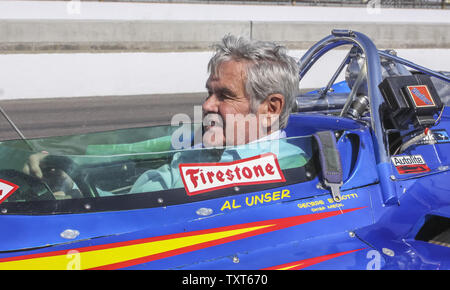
30,188
59,173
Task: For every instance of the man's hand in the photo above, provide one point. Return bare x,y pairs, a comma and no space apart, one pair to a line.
61,195
58,181
32,166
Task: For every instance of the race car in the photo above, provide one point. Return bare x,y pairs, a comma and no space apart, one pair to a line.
370,189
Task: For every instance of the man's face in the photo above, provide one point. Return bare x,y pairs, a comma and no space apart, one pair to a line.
227,106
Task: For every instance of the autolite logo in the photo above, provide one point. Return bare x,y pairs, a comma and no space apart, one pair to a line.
203,177
408,160
410,164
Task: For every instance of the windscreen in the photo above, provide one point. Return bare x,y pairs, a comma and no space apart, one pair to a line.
142,160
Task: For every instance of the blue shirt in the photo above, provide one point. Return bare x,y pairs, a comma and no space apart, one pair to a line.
168,176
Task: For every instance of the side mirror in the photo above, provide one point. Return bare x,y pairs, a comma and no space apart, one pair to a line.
330,162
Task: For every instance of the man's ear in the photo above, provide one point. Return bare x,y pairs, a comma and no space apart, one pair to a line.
272,107
275,104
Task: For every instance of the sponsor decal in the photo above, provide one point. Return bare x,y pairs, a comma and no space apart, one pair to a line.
203,177
410,164
435,136
6,189
257,199
421,96
316,205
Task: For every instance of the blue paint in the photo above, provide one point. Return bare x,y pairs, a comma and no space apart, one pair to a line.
390,209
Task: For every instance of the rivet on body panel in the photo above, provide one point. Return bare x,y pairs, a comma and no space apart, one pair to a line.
204,211
388,252
70,234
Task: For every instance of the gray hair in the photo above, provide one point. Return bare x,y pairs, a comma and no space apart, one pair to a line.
270,70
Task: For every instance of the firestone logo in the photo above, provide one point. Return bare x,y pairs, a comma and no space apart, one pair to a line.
203,177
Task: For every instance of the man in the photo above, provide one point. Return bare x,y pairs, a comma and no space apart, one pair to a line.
249,78
252,87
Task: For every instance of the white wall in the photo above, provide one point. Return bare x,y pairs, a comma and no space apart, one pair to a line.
88,74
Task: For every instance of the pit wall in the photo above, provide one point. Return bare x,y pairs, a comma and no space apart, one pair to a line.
74,49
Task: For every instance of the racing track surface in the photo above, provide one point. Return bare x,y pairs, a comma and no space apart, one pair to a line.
66,116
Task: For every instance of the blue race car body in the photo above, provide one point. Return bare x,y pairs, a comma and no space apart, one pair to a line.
389,208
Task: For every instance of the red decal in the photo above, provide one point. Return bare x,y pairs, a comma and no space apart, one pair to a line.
6,189
410,164
202,177
421,96
407,169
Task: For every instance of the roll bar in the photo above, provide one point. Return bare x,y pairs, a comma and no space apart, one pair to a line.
374,78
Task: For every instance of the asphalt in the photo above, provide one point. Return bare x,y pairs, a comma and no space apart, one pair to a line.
37,118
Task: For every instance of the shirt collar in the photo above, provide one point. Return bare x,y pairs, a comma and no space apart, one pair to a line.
272,136
279,134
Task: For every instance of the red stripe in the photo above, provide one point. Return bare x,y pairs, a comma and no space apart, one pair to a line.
312,261
183,250
278,224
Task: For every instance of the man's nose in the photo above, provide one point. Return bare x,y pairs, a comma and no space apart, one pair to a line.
211,104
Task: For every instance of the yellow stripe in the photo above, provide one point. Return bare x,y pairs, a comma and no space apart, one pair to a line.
290,267
97,258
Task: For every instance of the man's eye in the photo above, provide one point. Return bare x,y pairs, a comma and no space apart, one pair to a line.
224,96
